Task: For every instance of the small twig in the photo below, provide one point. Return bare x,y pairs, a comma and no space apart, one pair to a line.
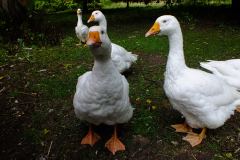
26,48
237,150
3,89
139,150
194,157
30,94
49,149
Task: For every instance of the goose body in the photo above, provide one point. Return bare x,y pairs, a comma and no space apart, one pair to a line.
205,100
102,95
122,59
81,30
228,70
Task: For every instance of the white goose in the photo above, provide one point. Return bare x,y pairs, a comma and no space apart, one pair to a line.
121,58
228,70
102,95
205,100
81,29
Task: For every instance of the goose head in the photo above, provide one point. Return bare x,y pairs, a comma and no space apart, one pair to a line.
98,42
96,16
79,11
164,25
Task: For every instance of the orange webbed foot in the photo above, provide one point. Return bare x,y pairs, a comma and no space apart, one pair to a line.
91,138
183,128
114,144
195,139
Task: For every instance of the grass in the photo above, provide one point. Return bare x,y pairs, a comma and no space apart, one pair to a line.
36,105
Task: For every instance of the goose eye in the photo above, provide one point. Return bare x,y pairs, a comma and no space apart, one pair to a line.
102,32
164,21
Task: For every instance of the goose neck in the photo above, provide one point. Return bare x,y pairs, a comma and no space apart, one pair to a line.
79,23
103,67
176,61
103,23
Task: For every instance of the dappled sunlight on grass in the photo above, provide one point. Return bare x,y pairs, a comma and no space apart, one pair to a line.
114,5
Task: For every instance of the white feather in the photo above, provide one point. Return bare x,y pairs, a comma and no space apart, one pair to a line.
228,70
121,58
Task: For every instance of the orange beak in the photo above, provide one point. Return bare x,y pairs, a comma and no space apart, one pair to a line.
94,39
155,29
91,19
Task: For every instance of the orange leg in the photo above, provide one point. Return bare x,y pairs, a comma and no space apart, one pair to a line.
91,138
183,128
238,109
195,139
114,144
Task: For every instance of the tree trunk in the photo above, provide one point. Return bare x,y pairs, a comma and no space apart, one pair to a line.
127,3
236,4
16,9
